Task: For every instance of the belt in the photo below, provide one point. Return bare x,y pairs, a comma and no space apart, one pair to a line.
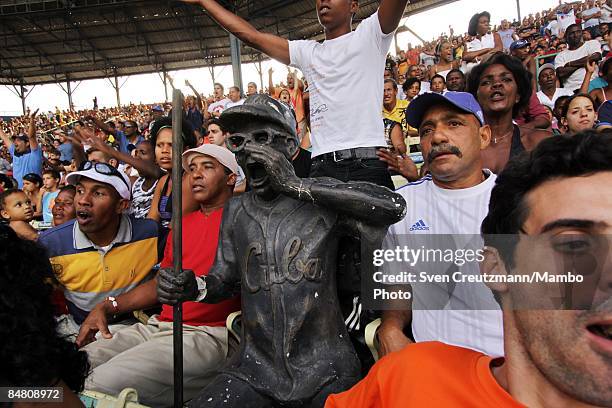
351,154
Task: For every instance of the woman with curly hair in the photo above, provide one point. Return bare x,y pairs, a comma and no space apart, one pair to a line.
32,353
502,87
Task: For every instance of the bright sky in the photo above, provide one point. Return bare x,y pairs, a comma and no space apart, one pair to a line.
150,89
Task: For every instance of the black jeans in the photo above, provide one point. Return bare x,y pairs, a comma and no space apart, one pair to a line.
372,170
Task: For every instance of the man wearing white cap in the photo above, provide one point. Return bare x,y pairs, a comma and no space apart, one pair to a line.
140,356
103,252
549,93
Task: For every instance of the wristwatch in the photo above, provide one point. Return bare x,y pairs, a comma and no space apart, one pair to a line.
114,303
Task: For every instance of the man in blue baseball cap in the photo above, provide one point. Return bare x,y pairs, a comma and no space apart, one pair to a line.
452,199
521,50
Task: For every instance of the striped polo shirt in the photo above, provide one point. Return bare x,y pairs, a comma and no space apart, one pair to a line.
90,273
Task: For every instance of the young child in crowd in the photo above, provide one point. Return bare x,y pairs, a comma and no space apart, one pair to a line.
16,211
32,184
51,179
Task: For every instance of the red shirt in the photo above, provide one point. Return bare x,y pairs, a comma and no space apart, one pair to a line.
200,238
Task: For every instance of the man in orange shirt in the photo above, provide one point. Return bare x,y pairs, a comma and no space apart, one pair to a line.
554,356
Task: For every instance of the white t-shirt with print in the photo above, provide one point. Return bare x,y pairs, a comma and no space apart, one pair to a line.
439,213
575,80
565,20
345,80
219,106
559,92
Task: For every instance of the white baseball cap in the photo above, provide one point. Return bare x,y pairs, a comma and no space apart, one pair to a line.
104,173
223,156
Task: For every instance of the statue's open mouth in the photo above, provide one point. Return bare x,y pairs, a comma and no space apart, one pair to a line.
257,174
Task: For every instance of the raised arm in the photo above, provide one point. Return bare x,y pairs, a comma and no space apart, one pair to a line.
196,93
275,47
100,123
390,13
271,89
32,131
5,138
145,169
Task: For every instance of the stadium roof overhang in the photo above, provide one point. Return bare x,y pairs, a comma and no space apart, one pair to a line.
52,41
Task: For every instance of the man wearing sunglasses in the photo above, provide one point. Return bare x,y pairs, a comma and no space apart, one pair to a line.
103,252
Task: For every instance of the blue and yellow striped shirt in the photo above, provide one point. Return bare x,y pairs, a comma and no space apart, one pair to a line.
90,273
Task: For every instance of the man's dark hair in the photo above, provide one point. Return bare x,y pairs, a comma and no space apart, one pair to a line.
32,352
7,181
409,82
52,173
564,156
391,81
33,178
568,28
515,66
437,76
560,105
69,188
215,121
565,107
236,89
456,71
189,139
473,25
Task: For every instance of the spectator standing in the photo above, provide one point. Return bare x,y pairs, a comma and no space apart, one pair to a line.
293,95
507,34
570,63
26,154
446,63
65,148
216,108
344,108
590,18
549,93
415,71
484,43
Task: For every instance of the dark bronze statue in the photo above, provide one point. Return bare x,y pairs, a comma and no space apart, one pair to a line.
278,249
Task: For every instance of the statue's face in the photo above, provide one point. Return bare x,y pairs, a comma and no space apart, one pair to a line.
263,135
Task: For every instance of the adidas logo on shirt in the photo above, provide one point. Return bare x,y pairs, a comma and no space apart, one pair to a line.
419,226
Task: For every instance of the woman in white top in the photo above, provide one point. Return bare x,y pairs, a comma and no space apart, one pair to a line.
484,44
445,62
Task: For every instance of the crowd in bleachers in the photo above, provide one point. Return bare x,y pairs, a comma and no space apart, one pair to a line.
483,130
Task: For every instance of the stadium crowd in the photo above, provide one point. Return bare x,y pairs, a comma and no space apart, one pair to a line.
493,125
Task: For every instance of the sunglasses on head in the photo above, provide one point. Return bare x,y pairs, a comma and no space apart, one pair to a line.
105,169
